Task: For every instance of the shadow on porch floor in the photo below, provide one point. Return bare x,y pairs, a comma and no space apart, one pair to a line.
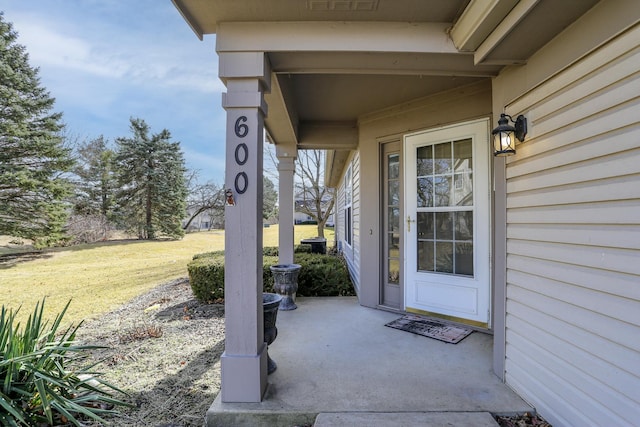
335,356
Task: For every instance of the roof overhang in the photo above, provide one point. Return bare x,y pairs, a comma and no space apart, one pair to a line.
335,61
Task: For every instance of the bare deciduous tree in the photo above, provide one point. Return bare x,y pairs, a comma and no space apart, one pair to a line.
312,197
204,198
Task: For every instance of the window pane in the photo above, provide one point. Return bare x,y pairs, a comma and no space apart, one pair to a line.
424,161
442,157
394,192
425,192
394,219
464,225
394,166
394,245
444,257
444,225
442,190
464,259
425,255
394,271
425,225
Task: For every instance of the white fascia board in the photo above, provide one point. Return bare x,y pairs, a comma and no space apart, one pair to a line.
515,16
477,21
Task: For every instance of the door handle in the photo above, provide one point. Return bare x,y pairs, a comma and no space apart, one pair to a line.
409,221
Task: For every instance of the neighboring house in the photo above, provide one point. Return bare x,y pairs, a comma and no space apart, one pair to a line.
301,216
541,248
203,221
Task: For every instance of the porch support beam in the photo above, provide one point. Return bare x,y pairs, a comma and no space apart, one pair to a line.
418,37
286,172
336,160
328,135
244,361
282,123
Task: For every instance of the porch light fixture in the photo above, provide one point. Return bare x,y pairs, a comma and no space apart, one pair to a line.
504,134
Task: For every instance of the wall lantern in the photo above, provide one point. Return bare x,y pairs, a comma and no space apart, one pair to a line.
504,134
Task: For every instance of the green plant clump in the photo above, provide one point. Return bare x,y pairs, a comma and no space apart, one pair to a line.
320,275
38,385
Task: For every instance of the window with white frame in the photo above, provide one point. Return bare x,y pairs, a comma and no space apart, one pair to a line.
348,195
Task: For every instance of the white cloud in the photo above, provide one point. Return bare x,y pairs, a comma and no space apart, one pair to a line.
116,55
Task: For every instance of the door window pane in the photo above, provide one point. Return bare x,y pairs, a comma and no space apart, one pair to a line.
442,190
425,192
425,225
464,259
424,161
462,154
444,225
425,256
464,225
444,257
463,189
442,154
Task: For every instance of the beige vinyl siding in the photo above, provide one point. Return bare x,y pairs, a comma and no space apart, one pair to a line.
339,215
573,242
351,252
355,274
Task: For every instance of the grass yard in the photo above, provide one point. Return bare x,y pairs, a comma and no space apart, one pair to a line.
102,276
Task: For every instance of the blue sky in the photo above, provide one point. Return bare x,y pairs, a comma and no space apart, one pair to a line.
108,60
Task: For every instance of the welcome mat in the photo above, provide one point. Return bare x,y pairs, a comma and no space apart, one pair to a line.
429,328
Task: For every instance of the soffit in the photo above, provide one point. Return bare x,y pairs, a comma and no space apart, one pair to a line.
542,21
336,97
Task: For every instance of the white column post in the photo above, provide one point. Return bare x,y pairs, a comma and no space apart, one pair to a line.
244,361
286,170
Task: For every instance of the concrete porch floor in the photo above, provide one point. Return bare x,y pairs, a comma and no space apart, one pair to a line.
336,358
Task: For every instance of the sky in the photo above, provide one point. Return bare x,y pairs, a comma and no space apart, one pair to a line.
105,61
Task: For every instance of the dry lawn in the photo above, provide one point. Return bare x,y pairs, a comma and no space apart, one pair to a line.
100,277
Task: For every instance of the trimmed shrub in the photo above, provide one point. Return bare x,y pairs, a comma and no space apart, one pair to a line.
323,275
273,250
206,276
320,275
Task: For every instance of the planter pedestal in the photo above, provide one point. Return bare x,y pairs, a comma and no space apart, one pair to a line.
285,283
270,304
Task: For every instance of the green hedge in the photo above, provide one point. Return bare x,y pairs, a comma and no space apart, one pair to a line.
320,275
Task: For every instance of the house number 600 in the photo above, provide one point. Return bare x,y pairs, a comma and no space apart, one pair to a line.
241,129
241,155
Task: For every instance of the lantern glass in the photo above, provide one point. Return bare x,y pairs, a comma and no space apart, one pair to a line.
504,143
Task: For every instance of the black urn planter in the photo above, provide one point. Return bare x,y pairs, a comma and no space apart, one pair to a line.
285,283
270,304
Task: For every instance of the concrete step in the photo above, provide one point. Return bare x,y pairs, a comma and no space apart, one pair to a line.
405,419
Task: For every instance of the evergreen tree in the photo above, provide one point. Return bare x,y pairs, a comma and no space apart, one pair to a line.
95,184
33,157
151,178
269,199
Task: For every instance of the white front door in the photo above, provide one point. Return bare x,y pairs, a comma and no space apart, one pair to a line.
447,223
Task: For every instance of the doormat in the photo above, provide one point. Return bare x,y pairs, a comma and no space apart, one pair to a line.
429,328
